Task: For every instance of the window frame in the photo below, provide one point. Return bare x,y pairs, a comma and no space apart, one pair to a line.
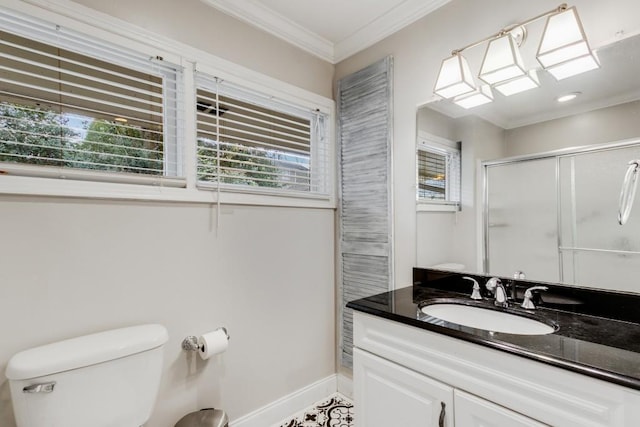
319,158
90,53
445,147
119,33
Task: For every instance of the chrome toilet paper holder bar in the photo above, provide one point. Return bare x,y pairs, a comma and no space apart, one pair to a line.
190,343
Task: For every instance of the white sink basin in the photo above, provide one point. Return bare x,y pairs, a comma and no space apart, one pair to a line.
490,320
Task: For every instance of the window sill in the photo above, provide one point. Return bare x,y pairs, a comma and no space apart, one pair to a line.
436,207
42,187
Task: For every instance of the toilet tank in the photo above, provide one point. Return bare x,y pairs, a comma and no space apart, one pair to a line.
108,379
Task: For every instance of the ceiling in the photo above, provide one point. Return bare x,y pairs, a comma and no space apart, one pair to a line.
330,29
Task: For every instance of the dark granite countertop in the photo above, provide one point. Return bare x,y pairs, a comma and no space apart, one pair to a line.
601,347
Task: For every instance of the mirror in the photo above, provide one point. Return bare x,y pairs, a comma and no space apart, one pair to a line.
551,208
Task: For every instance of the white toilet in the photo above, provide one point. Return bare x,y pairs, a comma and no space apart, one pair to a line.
108,379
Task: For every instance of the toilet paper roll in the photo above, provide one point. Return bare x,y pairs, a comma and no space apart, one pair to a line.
212,343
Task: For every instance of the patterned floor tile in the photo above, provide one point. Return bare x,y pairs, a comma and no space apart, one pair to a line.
336,411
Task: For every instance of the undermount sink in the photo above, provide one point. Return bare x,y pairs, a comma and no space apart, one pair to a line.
487,319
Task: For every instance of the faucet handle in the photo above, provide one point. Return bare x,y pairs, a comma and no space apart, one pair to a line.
500,294
475,294
519,275
493,283
528,295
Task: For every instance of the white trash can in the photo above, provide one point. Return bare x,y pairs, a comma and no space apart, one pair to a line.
208,417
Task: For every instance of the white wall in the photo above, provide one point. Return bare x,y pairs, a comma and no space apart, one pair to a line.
456,236
76,266
595,127
481,141
436,123
433,229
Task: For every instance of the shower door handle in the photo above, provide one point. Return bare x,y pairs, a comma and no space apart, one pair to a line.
628,192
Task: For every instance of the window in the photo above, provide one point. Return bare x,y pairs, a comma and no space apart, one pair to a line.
82,106
92,116
249,141
438,172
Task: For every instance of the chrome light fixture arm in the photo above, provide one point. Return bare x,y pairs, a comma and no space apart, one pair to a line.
510,28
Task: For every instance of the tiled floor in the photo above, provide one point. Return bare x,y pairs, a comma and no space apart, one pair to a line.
335,411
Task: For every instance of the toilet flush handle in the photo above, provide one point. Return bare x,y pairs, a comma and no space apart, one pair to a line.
40,388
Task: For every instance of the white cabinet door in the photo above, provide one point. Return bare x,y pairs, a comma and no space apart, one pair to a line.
389,395
472,411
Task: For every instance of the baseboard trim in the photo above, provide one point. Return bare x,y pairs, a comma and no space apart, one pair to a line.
288,405
345,386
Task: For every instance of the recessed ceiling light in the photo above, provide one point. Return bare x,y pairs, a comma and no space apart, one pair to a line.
568,97
121,120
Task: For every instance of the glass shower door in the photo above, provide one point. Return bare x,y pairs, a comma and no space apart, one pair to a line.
522,221
596,250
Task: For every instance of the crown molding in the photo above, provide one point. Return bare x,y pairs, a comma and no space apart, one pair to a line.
258,15
399,17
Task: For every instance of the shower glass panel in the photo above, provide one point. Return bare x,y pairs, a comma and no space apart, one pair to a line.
522,224
555,217
595,248
605,270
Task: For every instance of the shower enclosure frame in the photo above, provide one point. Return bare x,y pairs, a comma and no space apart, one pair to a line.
557,155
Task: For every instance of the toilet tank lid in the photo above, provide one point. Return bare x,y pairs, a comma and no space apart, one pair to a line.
85,351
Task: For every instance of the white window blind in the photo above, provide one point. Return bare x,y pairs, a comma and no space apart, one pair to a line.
250,141
438,170
93,110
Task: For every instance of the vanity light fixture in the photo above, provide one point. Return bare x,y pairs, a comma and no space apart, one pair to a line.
519,84
482,95
563,52
454,78
502,60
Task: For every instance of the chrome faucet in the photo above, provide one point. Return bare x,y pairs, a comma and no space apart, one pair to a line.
528,297
495,285
475,293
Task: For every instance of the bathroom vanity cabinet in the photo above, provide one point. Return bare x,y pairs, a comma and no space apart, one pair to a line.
406,376
390,394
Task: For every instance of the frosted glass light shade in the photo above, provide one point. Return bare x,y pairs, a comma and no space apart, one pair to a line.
519,84
454,78
574,67
480,96
502,61
564,50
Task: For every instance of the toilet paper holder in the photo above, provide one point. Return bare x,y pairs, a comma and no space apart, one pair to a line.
190,343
